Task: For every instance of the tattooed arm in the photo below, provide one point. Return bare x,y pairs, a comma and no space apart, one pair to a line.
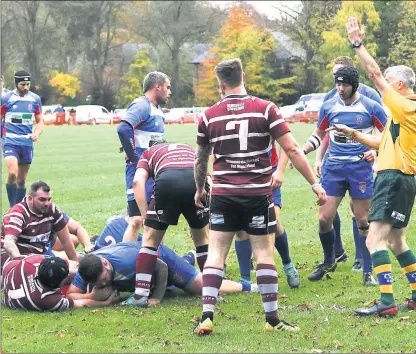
200,171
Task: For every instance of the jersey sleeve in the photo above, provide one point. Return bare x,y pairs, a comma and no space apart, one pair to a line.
137,113
79,282
379,117
144,162
202,135
399,106
323,122
329,95
13,223
56,301
277,124
59,221
38,108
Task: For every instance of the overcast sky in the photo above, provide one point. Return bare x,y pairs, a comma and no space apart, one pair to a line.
265,7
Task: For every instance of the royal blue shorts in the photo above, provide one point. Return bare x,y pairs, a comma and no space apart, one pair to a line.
277,194
354,177
24,154
132,208
181,273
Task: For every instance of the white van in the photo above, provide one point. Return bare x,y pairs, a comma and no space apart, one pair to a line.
92,114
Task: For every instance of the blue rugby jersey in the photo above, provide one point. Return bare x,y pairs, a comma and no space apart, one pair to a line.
19,115
364,114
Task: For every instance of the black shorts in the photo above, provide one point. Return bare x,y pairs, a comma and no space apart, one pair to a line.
133,208
255,215
393,199
174,195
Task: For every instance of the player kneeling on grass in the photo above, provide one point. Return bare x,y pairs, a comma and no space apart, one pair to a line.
114,267
32,283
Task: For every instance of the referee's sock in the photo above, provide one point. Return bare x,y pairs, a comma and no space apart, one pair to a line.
407,261
11,189
382,267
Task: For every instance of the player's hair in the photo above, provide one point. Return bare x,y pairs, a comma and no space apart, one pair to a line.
403,73
153,78
230,72
94,238
90,268
344,60
39,185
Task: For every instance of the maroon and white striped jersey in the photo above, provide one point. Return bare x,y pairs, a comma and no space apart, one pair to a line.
23,291
33,231
241,129
167,155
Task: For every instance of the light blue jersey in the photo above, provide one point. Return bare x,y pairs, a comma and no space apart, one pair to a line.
19,115
363,115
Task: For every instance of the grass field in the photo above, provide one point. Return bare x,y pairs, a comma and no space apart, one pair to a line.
86,173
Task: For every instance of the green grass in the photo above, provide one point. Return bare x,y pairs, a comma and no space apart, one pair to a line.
86,173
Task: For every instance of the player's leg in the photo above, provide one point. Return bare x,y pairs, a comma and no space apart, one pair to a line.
24,166
227,286
200,238
58,245
244,252
10,154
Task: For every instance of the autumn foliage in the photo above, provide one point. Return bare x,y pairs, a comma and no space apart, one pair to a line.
66,85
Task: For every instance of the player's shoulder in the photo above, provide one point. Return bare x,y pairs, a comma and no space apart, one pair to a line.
34,95
17,210
330,102
6,96
140,102
369,103
329,95
52,210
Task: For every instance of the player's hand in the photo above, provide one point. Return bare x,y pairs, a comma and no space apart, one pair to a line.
88,248
34,137
320,192
277,179
153,302
199,197
101,294
318,168
355,33
341,128
370,156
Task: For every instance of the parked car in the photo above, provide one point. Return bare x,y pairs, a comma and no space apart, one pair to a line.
307,108
193,115
288,112
174,116
118,115
92,114
48,116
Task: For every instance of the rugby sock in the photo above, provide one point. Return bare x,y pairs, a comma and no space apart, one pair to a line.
201,255
358,253
282,245
367,264
407,261
266,275
145,266
382,267
339,248
211,280
20,194
244,251
327,241
11,193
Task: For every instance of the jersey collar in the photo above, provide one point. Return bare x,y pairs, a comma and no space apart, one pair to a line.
351,104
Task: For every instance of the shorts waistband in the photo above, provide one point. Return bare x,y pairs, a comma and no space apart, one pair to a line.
391,171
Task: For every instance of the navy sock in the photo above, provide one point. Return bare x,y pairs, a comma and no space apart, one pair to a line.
11,193
339,249
358,253
20,194
367,264
327,241
282,246
244,251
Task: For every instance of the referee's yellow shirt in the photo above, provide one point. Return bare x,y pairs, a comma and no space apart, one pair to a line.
398,143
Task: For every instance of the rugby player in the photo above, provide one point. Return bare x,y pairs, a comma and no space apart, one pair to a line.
19,109
32,283
144,123
395,186
239,130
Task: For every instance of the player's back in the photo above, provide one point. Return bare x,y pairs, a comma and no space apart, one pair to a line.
241,129
113,233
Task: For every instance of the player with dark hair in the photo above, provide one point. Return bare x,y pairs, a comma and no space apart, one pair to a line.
239,131
33,283
20,108
143,124
345,168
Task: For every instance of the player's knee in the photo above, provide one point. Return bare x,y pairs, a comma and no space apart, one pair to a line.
11,177
21,183
324,224
136,221
363,226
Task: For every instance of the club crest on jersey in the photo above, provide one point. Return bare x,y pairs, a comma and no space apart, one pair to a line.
30,106
362,186
359,120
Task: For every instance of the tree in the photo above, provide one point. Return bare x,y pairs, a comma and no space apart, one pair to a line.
133,80
240,37
66,85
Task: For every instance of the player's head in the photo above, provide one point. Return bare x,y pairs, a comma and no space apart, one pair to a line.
157,84
401,78
52,272
347,80
39,197
22,81
340,62
96,270
229,74
94,238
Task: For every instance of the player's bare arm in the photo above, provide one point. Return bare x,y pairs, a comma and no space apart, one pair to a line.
75,228
112,299
76,293
139,188
320,153
277,176
67,244
355,34
371,141
203,153
314,141
39,126
10,246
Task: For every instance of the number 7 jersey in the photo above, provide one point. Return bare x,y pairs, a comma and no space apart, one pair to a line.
241,129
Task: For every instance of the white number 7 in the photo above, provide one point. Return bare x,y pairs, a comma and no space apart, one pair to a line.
243,132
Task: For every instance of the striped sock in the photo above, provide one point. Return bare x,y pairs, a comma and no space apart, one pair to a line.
267,282
382,267
407,261
145,266
201,255
211,280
